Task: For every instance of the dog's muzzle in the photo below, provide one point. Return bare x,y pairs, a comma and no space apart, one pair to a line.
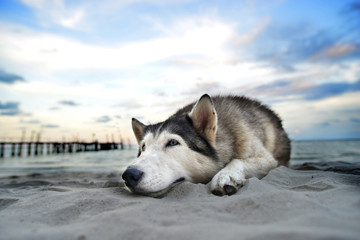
132,177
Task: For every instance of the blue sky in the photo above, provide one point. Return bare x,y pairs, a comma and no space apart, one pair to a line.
81,69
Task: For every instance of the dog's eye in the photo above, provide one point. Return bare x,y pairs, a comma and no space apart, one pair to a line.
172,142
143,147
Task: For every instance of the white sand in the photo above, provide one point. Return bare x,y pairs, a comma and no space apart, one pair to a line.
286,204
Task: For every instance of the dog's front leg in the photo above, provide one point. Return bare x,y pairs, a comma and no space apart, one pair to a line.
228,180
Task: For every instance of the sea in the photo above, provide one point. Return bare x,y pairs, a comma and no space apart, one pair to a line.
347,151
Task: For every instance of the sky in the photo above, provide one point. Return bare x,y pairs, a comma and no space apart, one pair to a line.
81,69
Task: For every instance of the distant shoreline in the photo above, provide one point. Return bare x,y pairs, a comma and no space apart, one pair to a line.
325,140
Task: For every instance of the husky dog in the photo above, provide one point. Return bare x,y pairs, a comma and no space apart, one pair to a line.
225,140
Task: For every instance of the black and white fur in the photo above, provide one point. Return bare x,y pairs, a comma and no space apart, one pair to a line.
225,140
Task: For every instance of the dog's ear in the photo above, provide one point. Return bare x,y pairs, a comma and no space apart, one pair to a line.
204,118
138,128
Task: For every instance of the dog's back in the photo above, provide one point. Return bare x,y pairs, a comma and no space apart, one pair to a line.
241,121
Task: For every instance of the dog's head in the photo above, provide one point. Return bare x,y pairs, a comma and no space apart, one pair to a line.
180,148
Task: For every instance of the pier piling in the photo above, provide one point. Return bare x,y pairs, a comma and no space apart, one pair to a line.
2,149
20,149
29,148
13,145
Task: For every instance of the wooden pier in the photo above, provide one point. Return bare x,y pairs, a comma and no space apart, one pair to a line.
40,148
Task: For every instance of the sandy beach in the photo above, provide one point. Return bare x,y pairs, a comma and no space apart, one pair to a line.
286,204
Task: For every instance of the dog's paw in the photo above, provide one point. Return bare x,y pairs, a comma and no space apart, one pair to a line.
226,182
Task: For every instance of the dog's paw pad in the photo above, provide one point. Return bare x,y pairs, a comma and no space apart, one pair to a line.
217,192
230,190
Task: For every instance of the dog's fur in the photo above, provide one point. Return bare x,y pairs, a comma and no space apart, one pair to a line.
225,139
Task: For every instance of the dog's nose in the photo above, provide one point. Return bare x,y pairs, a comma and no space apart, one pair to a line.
132,177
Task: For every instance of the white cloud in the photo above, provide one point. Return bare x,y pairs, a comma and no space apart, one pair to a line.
240,40
56,12
84,14
335,51
202,40
351,72
50,52
305,115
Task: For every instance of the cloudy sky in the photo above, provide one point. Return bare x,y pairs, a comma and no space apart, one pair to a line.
82,69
